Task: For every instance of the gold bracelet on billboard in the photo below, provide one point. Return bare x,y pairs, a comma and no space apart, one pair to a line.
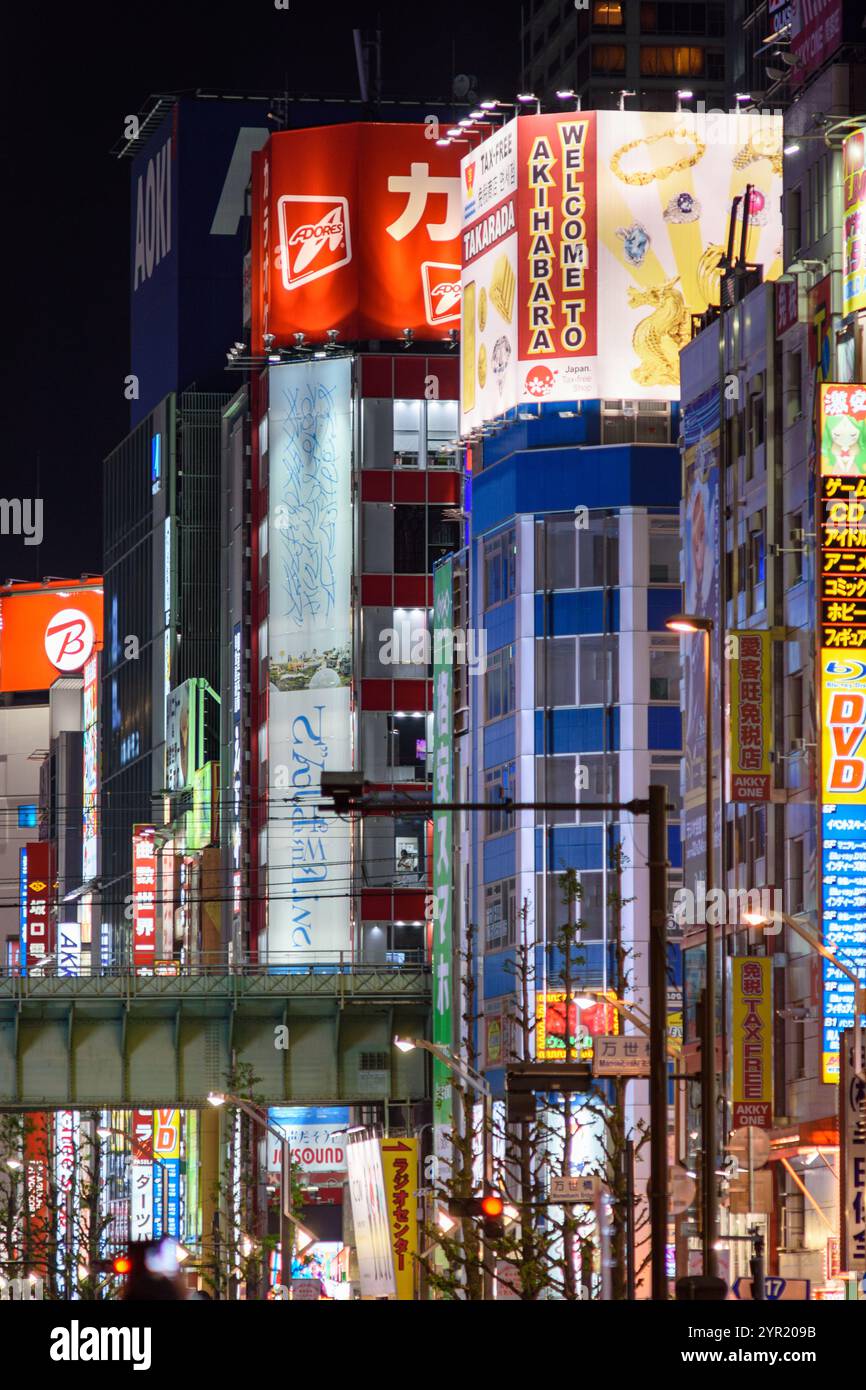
760,146
644,176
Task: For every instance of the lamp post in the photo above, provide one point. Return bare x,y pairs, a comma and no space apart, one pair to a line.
687,624
288,1220
763,919
481,1086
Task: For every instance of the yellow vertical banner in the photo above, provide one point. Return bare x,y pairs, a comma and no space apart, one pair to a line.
751,717
400,1169
752,1011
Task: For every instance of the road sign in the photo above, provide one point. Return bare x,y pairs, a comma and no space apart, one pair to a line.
621,1056
576,1189
777,1290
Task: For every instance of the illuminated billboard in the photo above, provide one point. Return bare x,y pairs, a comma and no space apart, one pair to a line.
166,1172
560,1027
750,717
355,228
589,240
143,898
46,633
842,640
141,1197
37,941
752,1034
370,1215
90,777
310,559
854,222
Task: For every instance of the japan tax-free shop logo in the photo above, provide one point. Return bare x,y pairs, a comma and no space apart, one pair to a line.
315,237
69,639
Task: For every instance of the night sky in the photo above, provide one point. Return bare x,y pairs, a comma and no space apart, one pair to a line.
72,74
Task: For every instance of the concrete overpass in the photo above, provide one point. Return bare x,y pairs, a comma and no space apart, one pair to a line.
125,1040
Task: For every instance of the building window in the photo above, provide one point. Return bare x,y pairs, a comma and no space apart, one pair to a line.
607,14
796,862
500,784
756,831
500,914
665,672
608,58
565,778
794,699
598,554
556,553
663,60
499,684
794,548
556,672
598,671
757,419
715,66
500,566
793,387
793,225
664,554
757,568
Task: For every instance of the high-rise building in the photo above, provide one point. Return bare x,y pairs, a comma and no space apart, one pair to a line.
649,50
773,402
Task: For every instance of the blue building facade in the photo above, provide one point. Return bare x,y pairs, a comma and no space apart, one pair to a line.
573,570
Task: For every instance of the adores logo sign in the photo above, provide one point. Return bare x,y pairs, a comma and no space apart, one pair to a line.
69,639
314,237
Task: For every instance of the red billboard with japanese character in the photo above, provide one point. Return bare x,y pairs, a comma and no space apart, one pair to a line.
143,899
356,229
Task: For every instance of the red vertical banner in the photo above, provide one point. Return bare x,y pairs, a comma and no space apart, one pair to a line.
557,238
37,921
143,898
36,1227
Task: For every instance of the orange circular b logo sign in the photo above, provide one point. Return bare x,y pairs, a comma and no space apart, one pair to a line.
69,639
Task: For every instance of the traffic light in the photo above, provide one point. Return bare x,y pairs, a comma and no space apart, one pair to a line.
121,1264
489,1209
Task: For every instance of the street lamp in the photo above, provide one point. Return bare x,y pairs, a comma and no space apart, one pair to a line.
304,1237
686,624
763,919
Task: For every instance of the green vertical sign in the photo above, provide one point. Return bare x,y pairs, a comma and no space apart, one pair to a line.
443,783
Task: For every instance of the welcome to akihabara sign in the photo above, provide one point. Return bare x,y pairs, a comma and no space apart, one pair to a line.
590,239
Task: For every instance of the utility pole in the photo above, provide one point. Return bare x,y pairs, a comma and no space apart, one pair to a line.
568,1219
658,904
